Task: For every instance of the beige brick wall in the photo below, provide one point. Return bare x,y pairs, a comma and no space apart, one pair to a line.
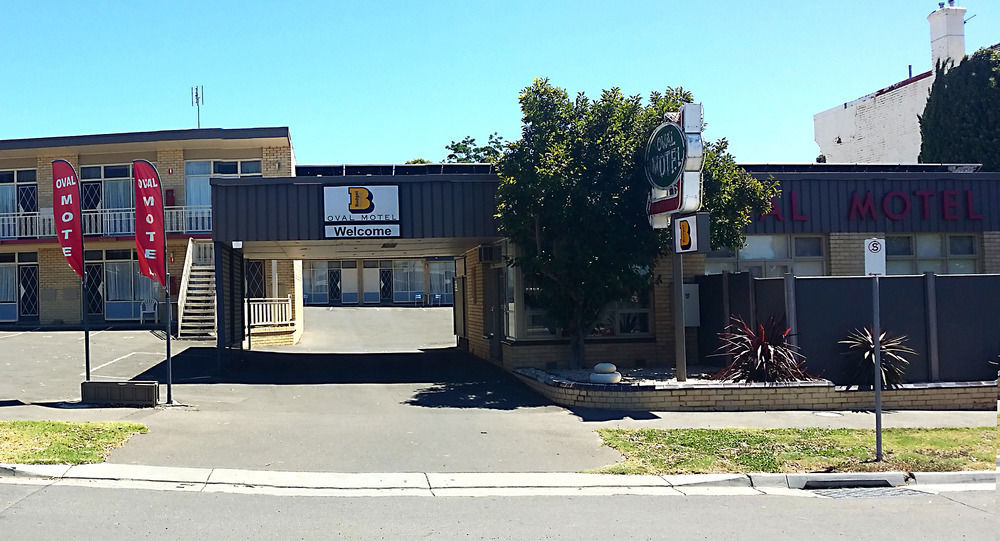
289,283
44,176
847,253
764,398
170,166
991,252
283,157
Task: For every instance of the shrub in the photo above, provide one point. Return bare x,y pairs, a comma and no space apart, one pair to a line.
861,352
760,355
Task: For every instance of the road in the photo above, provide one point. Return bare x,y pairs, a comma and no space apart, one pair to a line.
67,512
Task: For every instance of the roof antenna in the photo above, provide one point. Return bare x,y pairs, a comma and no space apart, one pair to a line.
197,100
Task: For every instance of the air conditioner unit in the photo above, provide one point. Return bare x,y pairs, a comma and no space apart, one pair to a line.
490,253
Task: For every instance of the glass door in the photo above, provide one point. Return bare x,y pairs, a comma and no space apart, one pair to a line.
370,282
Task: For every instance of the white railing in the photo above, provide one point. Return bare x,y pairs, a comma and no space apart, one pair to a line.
104,222
268,312
182,294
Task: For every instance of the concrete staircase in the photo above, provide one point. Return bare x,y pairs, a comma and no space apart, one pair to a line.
196,303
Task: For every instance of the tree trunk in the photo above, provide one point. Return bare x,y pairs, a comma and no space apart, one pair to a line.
577,358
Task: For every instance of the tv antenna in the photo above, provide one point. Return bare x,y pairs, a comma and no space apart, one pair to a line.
198,99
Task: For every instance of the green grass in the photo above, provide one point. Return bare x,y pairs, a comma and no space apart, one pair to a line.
649,451
57,442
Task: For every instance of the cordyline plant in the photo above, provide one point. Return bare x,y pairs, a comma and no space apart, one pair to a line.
761,354
861,351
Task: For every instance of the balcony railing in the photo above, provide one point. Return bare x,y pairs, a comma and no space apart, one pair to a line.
104,222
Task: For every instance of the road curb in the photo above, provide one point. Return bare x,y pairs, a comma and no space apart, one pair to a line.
378,481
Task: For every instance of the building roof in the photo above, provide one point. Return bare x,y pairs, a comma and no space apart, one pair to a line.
146,137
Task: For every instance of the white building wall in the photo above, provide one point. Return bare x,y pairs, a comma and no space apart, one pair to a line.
878,128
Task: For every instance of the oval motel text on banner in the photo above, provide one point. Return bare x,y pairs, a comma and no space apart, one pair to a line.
66,212
149,235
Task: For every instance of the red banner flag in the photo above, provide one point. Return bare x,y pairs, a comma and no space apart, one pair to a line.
66,211
150,241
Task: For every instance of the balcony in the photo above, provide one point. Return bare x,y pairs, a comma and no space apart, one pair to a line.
105,222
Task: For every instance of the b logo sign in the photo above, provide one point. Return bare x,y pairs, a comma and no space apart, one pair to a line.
361,200
685,231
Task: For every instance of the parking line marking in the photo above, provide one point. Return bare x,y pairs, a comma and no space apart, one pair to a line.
13,335
93,333
127,355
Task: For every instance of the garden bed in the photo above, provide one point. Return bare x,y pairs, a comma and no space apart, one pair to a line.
707,395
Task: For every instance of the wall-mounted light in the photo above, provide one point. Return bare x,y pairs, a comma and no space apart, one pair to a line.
277,165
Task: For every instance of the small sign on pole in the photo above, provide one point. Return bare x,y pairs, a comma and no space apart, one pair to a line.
875,267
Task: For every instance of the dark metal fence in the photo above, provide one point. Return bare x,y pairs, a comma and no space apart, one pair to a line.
951,321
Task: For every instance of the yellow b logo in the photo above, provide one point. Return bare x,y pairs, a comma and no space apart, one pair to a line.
362,200
685,228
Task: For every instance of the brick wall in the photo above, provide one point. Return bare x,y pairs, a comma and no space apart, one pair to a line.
846,251
44,176
991,252
283,156
170,166
762,397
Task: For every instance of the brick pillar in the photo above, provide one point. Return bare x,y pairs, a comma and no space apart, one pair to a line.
846,253
58,286
170,166
44,175
991,252
282,156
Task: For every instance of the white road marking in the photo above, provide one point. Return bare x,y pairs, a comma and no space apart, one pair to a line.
12,335
127,355
92,333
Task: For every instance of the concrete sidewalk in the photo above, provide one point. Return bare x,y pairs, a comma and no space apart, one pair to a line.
476,484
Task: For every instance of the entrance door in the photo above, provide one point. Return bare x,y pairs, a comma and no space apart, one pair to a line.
370,282
385,281
349,282
28,289
493,318
95,290
334,281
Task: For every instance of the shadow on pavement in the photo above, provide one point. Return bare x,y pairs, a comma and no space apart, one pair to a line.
597,415
456,379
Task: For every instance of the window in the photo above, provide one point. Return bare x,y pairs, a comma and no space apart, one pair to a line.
772,256
18,195
407,281
442,278
110,186
125,287
931,252
315,288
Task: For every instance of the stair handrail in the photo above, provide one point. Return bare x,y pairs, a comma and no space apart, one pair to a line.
182,294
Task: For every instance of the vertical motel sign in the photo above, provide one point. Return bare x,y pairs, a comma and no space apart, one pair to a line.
151,242
69,232
673,162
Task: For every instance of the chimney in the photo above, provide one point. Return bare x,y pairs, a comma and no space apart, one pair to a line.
947,33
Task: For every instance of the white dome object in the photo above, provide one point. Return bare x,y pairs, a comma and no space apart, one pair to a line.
613,377
605,368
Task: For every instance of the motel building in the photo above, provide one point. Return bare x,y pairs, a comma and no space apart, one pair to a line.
254,238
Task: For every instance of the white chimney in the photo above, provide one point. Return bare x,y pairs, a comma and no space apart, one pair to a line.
947,33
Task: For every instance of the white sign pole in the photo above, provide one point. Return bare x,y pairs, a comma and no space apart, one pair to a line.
875,267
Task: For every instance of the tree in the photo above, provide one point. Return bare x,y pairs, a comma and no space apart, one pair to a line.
961,122
731,194
417,161
467,151
573,199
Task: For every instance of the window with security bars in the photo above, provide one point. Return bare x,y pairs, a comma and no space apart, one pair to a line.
18,195
18,286
255,280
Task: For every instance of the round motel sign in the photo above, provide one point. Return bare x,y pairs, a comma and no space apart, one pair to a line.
665,155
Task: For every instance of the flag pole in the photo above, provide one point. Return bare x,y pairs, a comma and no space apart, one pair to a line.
83,318
170,365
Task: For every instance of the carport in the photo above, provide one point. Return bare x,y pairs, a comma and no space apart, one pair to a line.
350,227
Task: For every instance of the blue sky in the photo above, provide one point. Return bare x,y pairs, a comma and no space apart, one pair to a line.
384,82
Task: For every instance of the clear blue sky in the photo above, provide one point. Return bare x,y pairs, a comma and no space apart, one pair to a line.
387,81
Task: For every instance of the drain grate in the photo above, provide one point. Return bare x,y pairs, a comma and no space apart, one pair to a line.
879,492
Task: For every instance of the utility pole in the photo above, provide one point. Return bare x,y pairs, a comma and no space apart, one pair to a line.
198,99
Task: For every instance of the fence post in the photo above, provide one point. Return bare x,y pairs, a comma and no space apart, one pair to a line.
930,293
791,315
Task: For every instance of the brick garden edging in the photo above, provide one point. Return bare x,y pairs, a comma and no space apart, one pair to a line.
718,396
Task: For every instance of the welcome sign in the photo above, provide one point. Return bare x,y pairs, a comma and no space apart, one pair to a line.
361,211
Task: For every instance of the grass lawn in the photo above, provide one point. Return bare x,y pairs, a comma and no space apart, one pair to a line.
742,450
57,442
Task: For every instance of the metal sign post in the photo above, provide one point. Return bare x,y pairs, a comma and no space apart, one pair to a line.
875,267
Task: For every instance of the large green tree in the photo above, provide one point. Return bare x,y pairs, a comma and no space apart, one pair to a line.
467,151
961,122
573,199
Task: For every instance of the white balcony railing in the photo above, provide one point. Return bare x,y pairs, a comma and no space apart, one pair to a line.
105,222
